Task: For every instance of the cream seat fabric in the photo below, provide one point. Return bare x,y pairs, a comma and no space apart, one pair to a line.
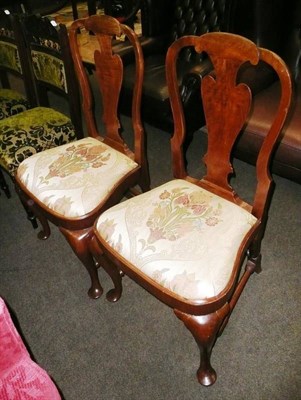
175,234
73,179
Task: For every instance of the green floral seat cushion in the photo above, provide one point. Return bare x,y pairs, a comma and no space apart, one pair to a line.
12,103
179,235
31,132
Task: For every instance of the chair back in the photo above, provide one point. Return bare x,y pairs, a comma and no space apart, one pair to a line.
109,75
51,63
13,57
226,106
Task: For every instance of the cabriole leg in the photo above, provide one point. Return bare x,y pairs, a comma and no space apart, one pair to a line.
204,329
3,185
33,213
79,242
114,294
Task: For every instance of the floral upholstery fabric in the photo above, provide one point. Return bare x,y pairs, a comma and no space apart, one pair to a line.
12,103
31,132
49,69
73,179
20,377
181,236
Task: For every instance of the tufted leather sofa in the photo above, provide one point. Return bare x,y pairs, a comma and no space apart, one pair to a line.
163,21
278,27
274,24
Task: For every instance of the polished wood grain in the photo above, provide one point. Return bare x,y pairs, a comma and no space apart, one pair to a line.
226,106
109,71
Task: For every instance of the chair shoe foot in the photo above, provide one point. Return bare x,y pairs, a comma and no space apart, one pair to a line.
206,377
95,293
113,295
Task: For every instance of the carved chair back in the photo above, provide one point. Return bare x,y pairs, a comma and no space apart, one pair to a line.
187,240
13,57
109,75
49,53
226,106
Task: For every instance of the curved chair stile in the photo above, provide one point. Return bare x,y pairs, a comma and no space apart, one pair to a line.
71,185
186,241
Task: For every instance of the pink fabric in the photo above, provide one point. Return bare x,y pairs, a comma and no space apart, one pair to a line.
20,377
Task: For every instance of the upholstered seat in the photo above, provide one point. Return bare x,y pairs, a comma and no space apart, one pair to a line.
73,184
187,241
31,132
74,179
175,235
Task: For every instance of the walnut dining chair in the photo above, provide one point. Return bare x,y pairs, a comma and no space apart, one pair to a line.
193,243
73,184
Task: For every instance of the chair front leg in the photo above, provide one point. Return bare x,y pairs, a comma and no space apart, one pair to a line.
204,329
3,185
115,274
79,242
33,213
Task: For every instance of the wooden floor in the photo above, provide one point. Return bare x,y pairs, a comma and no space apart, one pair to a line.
65,15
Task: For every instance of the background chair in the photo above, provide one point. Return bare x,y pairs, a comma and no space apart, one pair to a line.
42,127
73,184
186,241
20,376
14,63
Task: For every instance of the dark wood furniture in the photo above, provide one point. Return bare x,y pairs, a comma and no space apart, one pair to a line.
162,23
13,59
91,5
194,243
46,50
278,28
13,63
73,184
271,24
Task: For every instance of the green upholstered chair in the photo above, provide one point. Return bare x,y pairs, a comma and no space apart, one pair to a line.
13,63
43,127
